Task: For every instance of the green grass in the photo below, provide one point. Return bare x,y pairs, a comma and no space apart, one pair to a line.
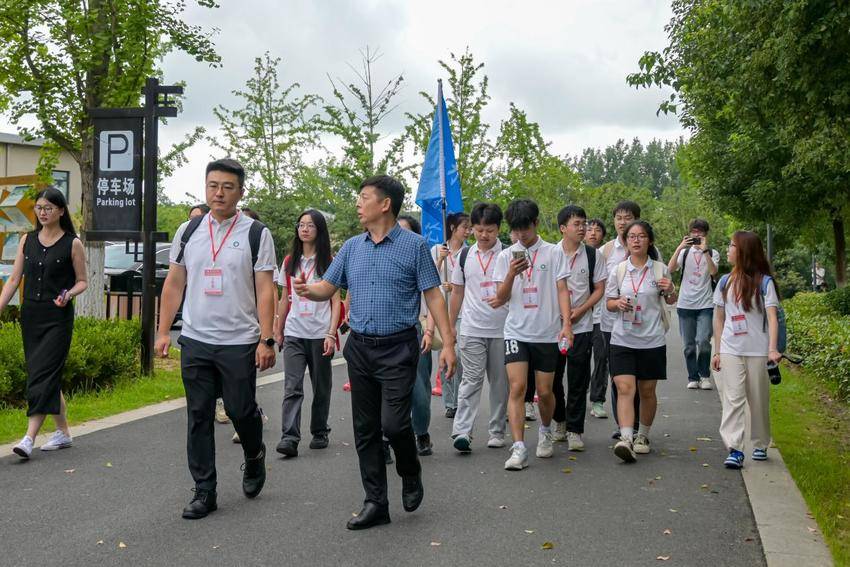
812,430
123,396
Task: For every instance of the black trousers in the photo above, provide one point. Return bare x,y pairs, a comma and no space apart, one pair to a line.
599,374
614,392
382,371
577,364
218,371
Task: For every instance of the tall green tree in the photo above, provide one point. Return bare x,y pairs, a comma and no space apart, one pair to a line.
765,89
59,58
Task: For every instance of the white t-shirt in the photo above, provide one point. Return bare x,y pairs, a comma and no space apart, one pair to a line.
220,306
307,319
579,283
745,333
477,318
618,254
643,327
452,260
533,312
695,291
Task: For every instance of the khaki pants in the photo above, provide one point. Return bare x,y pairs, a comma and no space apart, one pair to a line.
744,393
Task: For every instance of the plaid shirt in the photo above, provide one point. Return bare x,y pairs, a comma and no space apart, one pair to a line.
385,280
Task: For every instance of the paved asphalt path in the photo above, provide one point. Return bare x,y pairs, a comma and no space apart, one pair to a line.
115,499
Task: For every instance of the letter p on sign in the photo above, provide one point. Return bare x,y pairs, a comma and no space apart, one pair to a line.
116,150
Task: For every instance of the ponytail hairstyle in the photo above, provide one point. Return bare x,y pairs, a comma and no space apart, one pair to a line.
652,251
56,198
323,244
750,267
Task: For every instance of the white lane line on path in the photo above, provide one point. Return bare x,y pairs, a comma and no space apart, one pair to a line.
139,413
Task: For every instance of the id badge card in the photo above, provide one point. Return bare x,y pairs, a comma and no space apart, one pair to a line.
488,290
530,299
637,315
739,325
306,308
213,281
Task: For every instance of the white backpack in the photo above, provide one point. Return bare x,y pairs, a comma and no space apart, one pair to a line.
657,273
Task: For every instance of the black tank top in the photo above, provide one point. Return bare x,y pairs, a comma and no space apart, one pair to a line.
47,270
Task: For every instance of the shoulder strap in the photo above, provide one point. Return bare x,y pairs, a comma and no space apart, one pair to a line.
187,234
255,234
621,275
721,283
591,264
657,270
462,260
685,259
606,250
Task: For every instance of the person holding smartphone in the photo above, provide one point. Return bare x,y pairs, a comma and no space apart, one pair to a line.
695,307
54,263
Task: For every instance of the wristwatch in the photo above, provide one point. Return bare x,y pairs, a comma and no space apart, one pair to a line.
269,342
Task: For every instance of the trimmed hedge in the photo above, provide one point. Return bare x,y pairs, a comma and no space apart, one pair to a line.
839,300
822,336
102,352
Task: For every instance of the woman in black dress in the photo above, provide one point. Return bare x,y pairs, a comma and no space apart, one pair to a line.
52,261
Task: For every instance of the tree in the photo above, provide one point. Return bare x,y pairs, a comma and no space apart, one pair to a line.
765,89
59,58
465,102
653,166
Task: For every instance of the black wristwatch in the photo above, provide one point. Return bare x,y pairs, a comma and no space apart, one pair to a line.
269,342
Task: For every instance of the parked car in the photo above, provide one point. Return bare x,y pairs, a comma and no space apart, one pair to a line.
118,261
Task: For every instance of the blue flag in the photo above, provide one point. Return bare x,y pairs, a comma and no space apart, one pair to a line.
439,184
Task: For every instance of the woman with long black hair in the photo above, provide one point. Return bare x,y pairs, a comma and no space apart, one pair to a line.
52,262
306,330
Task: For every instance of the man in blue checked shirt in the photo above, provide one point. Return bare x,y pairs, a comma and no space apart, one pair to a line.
385,270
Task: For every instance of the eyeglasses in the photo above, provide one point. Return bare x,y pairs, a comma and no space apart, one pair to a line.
306,226
637,237
48,209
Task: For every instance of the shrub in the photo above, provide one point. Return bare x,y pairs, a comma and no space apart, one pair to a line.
839,300
822,336
102,352
11,314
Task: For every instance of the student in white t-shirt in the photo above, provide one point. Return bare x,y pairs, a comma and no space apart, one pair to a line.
595,236
586,288
695,307
637,292
307,331
481,333
532,280
446,258
746,331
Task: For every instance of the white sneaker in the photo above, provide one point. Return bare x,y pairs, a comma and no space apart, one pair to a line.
624,450
220,414
693,384
575,442
57,441
518,459
530,414
496,442
559,431
705,384
545,447
597,409
641,444
24,448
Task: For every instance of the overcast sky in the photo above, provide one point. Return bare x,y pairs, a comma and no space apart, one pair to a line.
563,62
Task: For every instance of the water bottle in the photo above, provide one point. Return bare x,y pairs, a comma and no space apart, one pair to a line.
564,345
773,373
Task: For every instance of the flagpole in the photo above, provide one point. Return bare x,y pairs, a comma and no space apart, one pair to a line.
443,181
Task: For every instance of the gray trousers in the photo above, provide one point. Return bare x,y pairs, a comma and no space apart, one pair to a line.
298,355
480,355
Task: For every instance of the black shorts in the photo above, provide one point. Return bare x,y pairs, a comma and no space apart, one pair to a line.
643,363
542,357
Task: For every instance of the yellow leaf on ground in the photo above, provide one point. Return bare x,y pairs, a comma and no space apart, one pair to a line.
547,545
529,531
692,449
100,542
109,465
567,470
663,557
571,458
121,545
673,510
667,532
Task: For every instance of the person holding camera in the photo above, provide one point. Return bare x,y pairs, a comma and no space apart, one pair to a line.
54,263
746,320
695,306
637,291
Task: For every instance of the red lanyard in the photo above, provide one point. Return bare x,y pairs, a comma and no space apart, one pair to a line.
212,240
310,273
451,257
483,267
573,261
698,259
530,271
640,283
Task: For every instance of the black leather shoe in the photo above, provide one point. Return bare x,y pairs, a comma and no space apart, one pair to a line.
287,448
412,492
254,475
319,442
450,412
423,445
203,502
371,515
388,456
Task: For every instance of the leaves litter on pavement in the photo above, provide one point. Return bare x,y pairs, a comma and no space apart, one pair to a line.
122,545
547,545
567,470
706,465
529,531
663,558
704,439
436,544
667,532
673,510
571,458
704,486
503,507
69,471
692,449
99,542
108,465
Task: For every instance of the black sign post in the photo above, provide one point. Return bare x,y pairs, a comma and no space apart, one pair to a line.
121,172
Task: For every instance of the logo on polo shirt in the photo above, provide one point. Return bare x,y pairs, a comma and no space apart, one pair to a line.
236,244
653,283
582,271
543,267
